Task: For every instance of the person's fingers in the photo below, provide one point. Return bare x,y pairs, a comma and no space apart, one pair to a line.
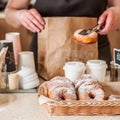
28,27
111,18
108,25
30,22
102,18
37,15
32,26
35,22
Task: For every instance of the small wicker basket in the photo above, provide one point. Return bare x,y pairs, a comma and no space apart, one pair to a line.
92,107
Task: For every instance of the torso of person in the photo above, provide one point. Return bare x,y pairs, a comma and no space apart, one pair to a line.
88,8
76,8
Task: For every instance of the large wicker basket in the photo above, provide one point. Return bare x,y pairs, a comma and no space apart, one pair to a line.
92,107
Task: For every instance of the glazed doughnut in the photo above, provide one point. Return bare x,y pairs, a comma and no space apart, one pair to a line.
85,39
89,88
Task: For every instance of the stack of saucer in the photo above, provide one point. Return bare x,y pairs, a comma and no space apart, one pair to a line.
28,78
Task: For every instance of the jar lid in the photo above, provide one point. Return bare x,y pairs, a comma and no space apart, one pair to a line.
115,65
74,65
96,63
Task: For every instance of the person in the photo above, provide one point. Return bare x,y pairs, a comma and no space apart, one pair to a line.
107,11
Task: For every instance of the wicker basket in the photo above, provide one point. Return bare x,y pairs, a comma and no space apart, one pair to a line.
92,107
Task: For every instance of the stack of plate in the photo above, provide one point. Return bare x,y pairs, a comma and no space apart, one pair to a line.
28,78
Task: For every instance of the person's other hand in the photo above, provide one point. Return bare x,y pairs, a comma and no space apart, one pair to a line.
31,20
111,18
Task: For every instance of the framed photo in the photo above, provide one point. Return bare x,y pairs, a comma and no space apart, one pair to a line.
117,56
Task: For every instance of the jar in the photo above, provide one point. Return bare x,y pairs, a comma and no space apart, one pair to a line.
114,72
97,68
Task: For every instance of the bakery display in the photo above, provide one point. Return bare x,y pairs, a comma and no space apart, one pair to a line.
92,97
61,88
85,39
87,87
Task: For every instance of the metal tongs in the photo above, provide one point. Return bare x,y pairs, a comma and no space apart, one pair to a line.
96,28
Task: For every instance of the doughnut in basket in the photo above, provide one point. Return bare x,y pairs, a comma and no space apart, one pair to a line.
88,88
114,97
85,96
58,88
85,39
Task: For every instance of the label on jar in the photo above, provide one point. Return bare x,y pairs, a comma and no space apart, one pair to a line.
117,56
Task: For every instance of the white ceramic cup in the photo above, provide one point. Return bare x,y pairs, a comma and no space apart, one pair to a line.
73,70
15,38
97,68
26,59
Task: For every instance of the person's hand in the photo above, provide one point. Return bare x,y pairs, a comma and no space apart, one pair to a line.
111,18
31,20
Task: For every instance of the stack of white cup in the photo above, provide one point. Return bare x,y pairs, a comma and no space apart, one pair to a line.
28,78
73,70
26,59
15,38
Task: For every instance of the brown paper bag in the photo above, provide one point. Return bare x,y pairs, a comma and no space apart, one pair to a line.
56,46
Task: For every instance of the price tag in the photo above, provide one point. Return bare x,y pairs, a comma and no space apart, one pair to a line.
117,56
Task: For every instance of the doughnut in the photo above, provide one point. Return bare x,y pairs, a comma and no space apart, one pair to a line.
63,93
91,92
114,97
85,39
84,78
89,88
43,90
59,82
58,88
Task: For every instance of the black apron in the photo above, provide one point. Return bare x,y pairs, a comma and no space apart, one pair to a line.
77,8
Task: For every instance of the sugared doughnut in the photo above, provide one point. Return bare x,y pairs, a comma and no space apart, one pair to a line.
114,97
63,93
59,88
89,88
84,78
43,89
85,39
59,82
91,92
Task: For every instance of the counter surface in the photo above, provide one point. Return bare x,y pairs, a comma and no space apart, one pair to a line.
25,106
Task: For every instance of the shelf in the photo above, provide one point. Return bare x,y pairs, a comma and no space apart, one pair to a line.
18,91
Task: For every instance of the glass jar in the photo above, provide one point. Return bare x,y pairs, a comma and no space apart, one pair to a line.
114,72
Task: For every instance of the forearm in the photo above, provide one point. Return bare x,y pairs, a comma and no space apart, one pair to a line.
113,3
111,17
12,17
13,10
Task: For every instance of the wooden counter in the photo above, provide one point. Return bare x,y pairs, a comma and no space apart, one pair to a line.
26,107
